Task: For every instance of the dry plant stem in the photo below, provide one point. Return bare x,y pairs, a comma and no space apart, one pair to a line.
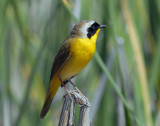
68,110
139,62
84,119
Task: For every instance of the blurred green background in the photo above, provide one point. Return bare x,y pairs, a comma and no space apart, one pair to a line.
122,81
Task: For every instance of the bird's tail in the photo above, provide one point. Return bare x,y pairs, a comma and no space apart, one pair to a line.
54,85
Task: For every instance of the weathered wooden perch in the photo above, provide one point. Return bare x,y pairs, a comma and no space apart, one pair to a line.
68,110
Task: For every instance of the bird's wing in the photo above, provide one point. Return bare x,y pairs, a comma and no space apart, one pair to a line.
60,59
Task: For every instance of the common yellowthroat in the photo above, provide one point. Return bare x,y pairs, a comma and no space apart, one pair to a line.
74,54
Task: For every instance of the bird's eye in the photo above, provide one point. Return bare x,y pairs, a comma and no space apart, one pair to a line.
93,27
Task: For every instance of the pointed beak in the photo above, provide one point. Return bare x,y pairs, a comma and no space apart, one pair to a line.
102,26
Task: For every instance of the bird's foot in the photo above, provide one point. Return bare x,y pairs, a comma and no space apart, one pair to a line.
78,90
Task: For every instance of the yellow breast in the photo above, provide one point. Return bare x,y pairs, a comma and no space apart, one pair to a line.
82,49
81,52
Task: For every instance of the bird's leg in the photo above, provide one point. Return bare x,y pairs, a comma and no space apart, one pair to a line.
77,89
65,87
75,86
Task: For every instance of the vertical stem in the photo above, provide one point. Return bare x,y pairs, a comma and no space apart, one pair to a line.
139,61
6,107
84,119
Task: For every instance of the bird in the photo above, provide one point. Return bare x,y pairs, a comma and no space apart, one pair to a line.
74,54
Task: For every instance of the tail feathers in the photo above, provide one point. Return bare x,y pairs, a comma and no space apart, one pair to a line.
46,105
54,85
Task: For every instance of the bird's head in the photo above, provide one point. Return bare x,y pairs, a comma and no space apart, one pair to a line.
86,29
